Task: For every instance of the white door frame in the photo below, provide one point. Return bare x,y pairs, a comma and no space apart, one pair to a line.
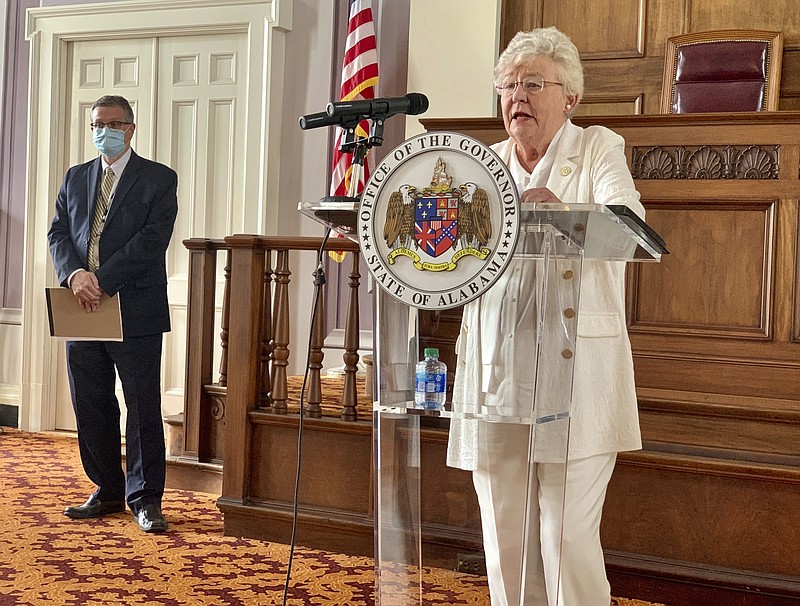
50,30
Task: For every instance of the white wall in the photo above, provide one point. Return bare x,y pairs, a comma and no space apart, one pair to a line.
3,11
10,355
64,2
307,90
452,50
304,154
10,319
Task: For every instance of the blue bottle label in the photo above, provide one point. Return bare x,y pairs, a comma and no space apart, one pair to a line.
431,382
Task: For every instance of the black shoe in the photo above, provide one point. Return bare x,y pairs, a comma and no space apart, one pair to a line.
150,519
94,508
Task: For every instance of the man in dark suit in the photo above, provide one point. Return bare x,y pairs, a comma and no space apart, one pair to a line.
113,222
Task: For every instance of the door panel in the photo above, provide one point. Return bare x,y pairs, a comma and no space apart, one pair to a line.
201,115
119,67
188,94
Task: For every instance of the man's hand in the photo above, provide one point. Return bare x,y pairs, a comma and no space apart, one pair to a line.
84,285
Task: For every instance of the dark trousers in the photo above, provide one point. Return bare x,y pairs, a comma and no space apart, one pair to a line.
92,376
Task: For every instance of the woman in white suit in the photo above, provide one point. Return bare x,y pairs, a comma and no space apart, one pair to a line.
540,81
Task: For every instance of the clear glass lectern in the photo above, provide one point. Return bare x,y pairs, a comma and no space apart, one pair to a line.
555,243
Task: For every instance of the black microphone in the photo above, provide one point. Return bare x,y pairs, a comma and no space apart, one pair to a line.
321,119
411,104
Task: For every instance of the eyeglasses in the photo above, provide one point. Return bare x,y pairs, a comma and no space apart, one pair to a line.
530,86
115,124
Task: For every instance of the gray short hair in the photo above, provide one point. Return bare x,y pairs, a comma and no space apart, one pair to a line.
116,101
544,42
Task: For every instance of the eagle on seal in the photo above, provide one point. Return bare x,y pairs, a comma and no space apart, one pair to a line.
399,223
474,221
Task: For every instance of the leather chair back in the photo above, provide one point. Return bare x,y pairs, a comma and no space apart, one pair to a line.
722,71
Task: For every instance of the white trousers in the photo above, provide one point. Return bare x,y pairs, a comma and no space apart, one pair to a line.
501,485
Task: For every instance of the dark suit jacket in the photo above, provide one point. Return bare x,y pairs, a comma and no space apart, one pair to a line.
133,243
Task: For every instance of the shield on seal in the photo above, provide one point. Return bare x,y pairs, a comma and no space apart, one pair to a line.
436,222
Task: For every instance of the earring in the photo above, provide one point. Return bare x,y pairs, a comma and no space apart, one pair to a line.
568,106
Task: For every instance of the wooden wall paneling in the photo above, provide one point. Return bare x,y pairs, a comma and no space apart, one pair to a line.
790,78
778,15
692,584
664,18
736,430
787,277
642,79
614,29
336,507
708,347
790,103
789,298
440,329
247,271
200,334
622,43
345,487
719,513
518,16
717,281
714,374
793,224
604,105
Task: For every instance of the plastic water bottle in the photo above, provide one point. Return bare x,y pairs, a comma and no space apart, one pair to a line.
429,392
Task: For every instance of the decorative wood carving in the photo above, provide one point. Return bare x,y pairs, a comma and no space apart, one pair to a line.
265,376
217,407
224,324
280,348
198,418
316,356
706,162
350,395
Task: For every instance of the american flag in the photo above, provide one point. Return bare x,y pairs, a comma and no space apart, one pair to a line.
359,80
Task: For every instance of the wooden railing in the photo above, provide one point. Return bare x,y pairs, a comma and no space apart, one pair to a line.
253,335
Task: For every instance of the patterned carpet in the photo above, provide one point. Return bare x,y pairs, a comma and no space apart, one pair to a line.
48,559
331,391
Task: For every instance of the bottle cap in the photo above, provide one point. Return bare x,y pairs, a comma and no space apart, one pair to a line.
431,352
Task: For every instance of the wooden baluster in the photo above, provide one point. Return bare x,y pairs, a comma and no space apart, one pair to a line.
315,358
247,275
280,325
225,323
265,376
197,418
351,344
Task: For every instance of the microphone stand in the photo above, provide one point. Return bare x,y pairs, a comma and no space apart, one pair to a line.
359,148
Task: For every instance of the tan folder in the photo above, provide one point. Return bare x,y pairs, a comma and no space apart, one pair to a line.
68,321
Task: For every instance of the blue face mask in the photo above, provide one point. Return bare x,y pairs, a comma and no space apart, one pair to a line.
109,141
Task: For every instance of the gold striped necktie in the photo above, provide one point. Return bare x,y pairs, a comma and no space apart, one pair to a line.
100,210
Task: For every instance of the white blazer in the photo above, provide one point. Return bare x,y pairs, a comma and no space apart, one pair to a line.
589,167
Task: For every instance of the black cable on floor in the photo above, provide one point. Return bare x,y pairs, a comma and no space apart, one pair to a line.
319,282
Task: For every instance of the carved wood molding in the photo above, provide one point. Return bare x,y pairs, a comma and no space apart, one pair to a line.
216,401
706,162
